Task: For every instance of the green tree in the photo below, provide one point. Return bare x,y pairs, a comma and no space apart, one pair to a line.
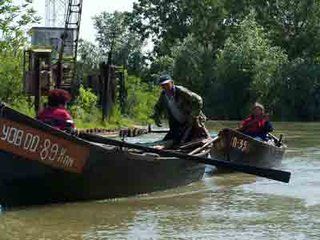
160,65
163,21
298,92
11,77
230,69
194,66
293,25
89,60
114,35
246,69
89,55
14,19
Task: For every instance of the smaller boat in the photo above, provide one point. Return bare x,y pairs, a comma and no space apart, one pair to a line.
234,146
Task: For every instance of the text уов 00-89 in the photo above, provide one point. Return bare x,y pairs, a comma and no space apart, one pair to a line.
33,143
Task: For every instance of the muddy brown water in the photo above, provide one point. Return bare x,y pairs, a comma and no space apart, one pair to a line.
225,206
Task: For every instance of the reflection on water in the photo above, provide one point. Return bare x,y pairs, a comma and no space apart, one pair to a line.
225,206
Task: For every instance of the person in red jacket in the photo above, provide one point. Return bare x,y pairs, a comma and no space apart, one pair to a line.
257,125
56,113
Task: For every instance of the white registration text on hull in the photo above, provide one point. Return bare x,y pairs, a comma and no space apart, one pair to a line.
48,150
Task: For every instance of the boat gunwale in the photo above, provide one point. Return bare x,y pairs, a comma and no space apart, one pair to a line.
283,147
15,116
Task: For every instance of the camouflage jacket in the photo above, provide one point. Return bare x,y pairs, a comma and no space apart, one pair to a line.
188,103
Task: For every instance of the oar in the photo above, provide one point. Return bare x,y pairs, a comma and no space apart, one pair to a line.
204,146
277,141
274,174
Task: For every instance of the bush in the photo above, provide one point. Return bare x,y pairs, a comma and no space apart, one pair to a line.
24,105
85,103
141,99
10,77
140,102
84,109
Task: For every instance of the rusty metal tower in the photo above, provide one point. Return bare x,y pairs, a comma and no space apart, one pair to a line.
66,78
56,12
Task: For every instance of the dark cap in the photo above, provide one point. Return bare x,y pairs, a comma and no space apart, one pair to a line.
164,79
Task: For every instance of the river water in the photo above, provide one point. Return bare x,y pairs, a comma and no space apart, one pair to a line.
225,206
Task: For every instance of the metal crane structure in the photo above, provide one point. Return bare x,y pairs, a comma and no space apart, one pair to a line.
51,61
65,14
66,66
56,11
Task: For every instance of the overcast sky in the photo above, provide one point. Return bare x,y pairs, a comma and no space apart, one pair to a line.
90,9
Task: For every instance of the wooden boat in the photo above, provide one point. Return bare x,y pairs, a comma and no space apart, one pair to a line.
39,164
234,146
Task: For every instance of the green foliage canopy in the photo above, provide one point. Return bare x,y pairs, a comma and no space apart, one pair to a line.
114,35
234,52
14,19
247,68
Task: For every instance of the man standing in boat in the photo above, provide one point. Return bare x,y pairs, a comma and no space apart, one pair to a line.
258,124
183,109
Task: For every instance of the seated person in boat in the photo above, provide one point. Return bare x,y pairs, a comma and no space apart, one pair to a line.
257,125
183,110
56,113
